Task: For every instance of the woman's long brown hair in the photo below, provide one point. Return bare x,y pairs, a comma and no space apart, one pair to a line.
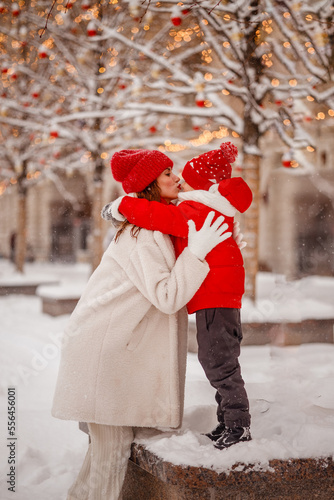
150,193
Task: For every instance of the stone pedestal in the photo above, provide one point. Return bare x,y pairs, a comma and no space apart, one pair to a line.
58,307
58,300
150,478
28,288
284,334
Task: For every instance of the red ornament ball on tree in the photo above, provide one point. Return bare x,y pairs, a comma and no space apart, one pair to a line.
176,21
15,10
176,16
91,30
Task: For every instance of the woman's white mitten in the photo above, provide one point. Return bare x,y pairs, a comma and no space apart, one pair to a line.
110,211
237,236
201,242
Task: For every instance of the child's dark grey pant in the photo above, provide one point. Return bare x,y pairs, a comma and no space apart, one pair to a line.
219,336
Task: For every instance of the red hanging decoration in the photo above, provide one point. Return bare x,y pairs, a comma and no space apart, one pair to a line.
15,10
153,129
91,29
176,21
42,52
85,5
200,101
287,160
176,16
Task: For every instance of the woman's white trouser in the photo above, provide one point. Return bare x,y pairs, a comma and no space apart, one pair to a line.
102,474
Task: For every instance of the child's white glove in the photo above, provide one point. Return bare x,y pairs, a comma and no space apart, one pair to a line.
237,236
201,242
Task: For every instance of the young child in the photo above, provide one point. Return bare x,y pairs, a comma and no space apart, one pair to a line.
208,186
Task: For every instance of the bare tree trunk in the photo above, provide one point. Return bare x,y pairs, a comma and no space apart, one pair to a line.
97,246
21,239
21,228
251,174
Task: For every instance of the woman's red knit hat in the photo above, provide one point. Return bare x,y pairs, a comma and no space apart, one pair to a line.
137,168
210,168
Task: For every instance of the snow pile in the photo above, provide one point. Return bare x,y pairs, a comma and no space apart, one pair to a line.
290,391
292,406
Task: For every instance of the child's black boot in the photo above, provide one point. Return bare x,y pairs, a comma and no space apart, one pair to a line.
217,432
232,436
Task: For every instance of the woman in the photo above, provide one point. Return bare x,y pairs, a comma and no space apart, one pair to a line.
124,353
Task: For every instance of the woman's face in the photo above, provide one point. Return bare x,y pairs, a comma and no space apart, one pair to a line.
169,185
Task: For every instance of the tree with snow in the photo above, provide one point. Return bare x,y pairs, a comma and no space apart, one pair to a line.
246,67
179,75
21,101
74,81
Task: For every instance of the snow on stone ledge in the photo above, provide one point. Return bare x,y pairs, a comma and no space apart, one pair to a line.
60,292
282,301
18,279
291,403
279,300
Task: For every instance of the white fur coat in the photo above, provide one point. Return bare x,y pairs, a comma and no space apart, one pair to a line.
124,350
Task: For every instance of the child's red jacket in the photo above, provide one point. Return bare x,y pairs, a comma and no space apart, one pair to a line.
224,285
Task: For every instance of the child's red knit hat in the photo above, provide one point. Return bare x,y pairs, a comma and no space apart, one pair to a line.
210,168
137,168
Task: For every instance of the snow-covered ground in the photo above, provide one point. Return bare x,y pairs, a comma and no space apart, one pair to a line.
290,390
